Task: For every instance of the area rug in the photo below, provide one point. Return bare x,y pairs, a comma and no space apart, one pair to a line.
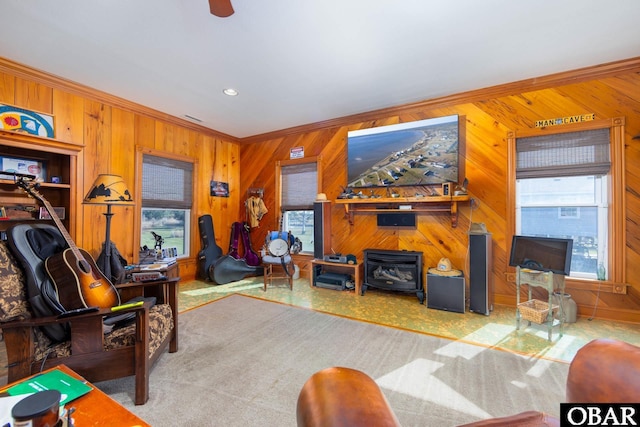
242,362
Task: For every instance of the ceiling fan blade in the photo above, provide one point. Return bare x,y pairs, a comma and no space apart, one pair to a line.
221,8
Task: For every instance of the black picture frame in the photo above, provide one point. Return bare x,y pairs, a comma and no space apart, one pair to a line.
219,189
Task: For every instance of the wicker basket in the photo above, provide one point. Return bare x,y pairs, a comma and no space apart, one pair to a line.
535,310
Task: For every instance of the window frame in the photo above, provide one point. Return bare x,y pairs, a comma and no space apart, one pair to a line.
600,197
192,221
278,200
616,227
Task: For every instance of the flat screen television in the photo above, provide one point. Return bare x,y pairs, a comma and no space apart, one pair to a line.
542,253
423,152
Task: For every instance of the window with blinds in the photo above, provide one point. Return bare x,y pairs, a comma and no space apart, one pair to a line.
299,187
568,154
166,183
561,191
167,197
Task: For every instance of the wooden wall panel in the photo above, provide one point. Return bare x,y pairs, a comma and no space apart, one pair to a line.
68,116
484,123
33,96
109,135
7,89
97,154
220,163
122,152
103,125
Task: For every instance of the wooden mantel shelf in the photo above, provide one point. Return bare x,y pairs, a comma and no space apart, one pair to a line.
392,204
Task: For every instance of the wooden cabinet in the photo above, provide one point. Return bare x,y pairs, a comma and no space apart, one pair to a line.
417,204
57,164
319,266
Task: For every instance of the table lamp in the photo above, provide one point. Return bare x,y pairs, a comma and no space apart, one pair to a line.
108,190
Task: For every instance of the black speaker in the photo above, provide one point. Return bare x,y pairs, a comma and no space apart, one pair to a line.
321,229
445,292
480,283
396,220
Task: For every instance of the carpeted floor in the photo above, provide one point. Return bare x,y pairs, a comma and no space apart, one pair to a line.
242,362
400,310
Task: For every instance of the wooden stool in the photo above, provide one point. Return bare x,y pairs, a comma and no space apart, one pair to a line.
269,262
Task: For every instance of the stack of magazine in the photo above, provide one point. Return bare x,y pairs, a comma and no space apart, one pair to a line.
69,387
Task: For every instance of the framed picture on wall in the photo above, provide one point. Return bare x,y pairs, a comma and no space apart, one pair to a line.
16,119
219,189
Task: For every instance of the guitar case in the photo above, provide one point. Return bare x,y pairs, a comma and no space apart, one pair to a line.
228,269
31,245
241,230
233,266
210,250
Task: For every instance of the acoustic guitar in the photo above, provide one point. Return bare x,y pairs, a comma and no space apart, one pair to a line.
77,279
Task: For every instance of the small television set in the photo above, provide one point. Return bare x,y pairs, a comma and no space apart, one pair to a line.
542,253
423,152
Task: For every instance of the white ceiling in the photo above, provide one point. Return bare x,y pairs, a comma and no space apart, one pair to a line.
297,62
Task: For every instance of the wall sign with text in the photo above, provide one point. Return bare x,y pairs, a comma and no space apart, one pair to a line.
579,118
296,153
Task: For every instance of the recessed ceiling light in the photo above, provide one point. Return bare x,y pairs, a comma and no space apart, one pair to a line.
230,92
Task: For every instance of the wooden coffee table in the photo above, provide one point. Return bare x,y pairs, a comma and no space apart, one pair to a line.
95,408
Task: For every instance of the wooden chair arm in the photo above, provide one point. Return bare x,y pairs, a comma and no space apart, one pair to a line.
86,336
165,291
49,320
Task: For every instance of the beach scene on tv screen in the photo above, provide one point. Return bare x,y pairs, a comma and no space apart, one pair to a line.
416,153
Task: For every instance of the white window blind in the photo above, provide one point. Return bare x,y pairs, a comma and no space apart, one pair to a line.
166,183
299,186
568,154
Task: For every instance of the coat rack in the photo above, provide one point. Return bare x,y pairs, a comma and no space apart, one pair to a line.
255,192
254,206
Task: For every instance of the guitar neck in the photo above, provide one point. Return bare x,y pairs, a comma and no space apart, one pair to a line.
30,189
61,227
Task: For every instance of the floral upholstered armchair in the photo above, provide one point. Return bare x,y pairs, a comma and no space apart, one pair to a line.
94,351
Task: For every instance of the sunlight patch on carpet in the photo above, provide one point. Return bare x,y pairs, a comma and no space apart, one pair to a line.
563,345
459,349
539,368
416,379
490,334
238,286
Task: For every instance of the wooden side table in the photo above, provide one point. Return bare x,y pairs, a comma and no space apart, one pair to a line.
170,272
548,281
159,289
95,408
356,270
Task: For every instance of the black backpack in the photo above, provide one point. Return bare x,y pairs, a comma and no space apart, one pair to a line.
31,245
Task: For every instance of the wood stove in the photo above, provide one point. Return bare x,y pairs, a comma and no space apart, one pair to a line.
393,271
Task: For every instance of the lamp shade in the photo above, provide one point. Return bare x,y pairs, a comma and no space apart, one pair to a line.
109,189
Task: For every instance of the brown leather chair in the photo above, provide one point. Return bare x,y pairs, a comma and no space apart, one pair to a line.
603,371
346,397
